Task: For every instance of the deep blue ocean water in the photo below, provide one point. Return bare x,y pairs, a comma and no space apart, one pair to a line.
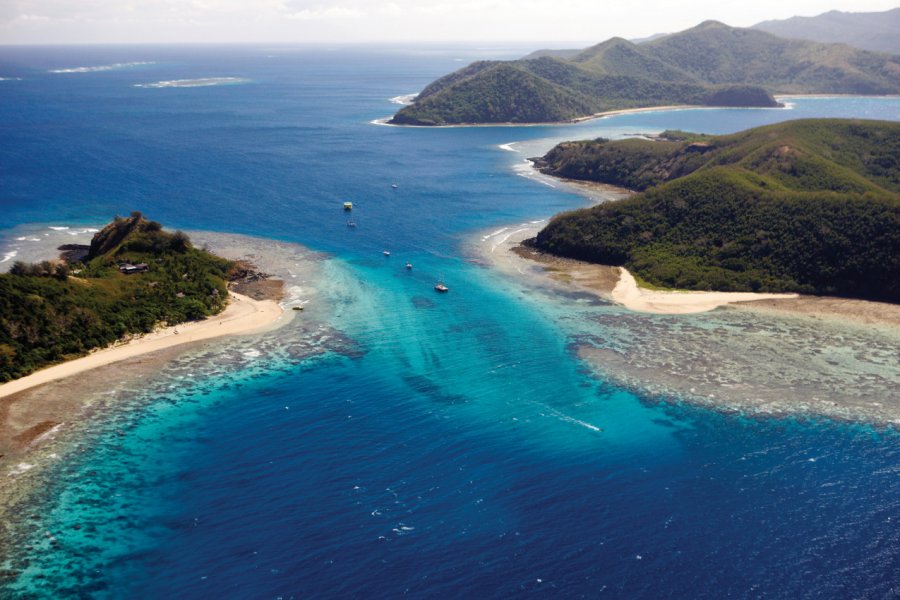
464,451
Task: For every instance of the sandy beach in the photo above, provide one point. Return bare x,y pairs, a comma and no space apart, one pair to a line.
615,284
631,296
599,115
242,315
503,250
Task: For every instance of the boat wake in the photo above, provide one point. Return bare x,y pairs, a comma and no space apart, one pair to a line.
552,412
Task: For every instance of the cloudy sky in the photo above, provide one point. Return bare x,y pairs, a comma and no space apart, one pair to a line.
115,21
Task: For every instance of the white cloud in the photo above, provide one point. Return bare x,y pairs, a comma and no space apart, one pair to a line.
111,21
332,13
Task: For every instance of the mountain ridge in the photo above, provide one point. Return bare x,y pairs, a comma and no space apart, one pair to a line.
711,64
873,31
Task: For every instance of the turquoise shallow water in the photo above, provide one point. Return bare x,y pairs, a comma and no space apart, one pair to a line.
399,441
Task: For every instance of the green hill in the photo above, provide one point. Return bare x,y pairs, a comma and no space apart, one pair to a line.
810,206
719,54
711,64
54,311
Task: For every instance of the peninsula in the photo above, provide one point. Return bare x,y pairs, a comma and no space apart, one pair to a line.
136,286
709,65
809,206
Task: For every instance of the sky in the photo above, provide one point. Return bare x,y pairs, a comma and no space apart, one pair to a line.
361,21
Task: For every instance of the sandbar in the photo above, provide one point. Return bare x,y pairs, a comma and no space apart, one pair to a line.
242,315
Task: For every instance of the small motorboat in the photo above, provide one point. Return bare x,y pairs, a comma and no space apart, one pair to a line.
394,185
351,223
348,206
409,266
439,286
386,252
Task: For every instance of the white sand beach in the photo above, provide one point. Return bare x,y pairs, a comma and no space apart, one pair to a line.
631,296
242,315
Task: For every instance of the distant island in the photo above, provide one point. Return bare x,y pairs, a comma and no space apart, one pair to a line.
709,65
133,278
809,206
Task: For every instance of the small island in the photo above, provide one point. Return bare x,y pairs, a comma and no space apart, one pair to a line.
709,65
135,278
809,206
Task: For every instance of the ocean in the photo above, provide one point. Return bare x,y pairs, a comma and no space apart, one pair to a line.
422,445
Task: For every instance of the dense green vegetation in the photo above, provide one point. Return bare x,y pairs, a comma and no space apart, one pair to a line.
811,206
711,64
50,312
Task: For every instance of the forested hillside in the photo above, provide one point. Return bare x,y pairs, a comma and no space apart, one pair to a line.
809,206
134,277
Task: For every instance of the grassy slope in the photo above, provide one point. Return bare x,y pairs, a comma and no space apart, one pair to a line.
47,319
810,206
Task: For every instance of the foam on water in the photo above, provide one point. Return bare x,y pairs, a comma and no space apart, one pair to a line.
405,99
100,68
192,83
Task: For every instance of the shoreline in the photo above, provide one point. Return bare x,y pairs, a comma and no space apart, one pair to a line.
617,285
32,408
577,120
48,423
626,111
800,356
786,96
243,315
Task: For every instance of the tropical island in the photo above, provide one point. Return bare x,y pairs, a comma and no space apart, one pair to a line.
709,65
809,206
133,280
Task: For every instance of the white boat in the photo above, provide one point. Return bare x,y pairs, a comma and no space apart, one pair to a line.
386,252
409,266
394,185
440,287
351,223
